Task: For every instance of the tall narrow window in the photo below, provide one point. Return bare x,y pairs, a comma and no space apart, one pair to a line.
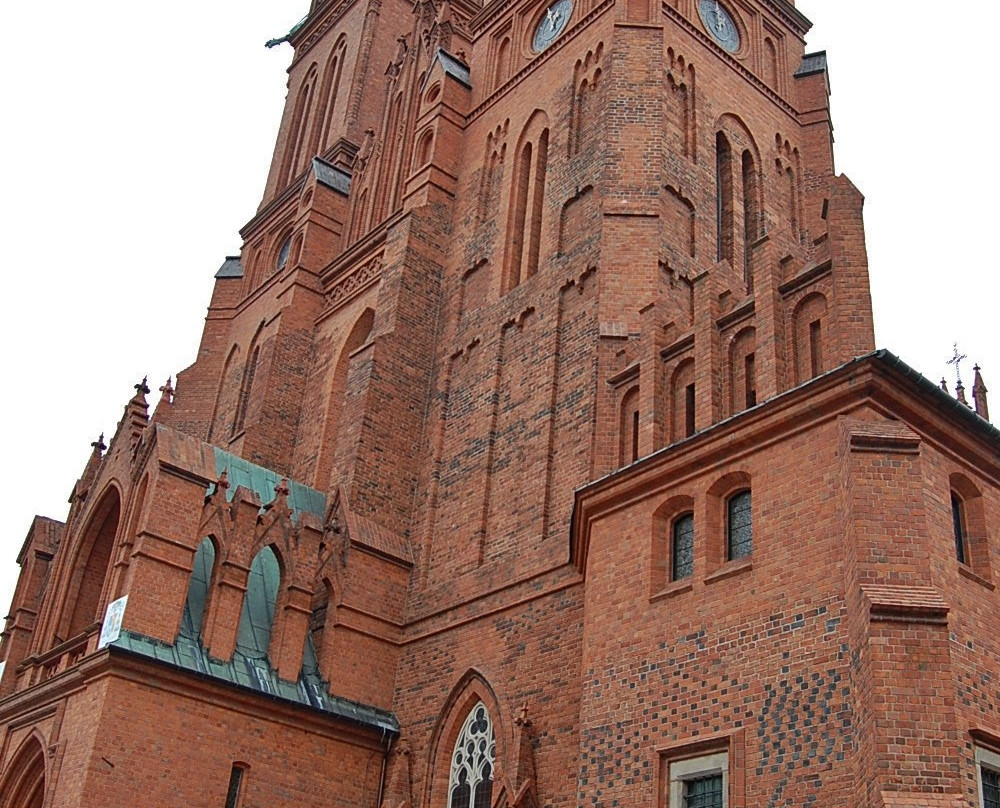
527,203
958,523
723,198
470,784
682,547
750,214
749,381
198,590
519,215
537,201
257,618
815,347
739,526
628,428
689,410
245,390
235,787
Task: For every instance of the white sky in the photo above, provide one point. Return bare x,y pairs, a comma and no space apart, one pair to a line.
138,138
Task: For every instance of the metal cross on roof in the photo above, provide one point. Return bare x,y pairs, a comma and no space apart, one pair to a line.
956,359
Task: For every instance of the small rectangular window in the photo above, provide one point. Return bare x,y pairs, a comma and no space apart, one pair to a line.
703,792
698,782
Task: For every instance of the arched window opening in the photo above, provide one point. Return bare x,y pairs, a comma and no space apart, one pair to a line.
628,428
723,198
470,784
93,565
245,389
527,203
742,371
518,217
682,393
739,526
751,214
749,381
359,336
538,198
958,526
24,785
235,789
199,589
259,605
682,547
808,330
282,260
770,63
502,65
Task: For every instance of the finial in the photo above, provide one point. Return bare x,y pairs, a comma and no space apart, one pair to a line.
944,384
979,392
98,444
522,719
956,360
223,481
167,391
142,389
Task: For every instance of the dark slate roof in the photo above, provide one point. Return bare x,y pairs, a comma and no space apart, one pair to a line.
256,675
812,63
263,481
454,68
331,176
231,268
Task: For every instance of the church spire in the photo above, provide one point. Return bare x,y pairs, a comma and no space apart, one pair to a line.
979,392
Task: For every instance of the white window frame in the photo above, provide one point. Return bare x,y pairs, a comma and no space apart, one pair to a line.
988,760
682,771
473,768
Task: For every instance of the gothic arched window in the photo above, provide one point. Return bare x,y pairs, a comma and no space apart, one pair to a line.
471,782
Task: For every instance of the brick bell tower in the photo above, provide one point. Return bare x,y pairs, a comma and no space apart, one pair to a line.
536,452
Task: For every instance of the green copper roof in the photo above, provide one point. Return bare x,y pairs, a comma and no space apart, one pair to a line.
257,675
263,481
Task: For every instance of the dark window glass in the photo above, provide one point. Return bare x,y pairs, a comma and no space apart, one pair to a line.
689,410
991,787
750,381
198,586
484,790
235,781
739,526
815,347
682,550
704,792
286,246
958,522
254,634
461,794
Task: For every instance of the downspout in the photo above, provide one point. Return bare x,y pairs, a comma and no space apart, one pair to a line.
387,739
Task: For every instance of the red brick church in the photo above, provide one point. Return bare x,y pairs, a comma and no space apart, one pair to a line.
536,453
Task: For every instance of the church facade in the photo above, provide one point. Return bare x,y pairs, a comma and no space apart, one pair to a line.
536,453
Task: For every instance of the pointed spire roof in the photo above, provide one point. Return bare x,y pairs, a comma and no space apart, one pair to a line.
979,392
